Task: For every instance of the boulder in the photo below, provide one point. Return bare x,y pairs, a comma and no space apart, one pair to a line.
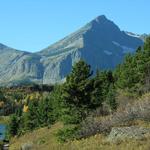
27,146
124,133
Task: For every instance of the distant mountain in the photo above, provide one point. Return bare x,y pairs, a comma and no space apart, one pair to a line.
18,67
100,43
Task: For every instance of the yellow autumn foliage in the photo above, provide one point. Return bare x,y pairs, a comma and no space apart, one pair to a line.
25,108
31,97
1,104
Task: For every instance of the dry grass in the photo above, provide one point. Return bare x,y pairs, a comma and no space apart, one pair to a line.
98,142
4,119
128,116
41,139
44,139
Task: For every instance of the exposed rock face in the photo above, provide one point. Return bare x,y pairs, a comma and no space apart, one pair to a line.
124,133
17,66
27,146
100,43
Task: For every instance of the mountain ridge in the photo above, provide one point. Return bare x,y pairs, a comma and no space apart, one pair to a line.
100,43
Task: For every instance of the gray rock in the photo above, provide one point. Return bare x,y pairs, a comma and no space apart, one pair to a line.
27,146
123,133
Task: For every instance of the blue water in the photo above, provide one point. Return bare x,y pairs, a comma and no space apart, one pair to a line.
2,131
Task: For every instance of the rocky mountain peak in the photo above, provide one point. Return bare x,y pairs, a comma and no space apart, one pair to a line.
100,43
2,46
101,18
102,24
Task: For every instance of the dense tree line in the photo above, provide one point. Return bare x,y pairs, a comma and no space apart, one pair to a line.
70,102
133,74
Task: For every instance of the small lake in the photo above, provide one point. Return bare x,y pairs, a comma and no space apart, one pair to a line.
2,131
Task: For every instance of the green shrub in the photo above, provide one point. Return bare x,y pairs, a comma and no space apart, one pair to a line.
1,144
67,133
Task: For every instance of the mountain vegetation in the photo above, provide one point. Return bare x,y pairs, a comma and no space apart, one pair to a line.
90,88
70,102
134,73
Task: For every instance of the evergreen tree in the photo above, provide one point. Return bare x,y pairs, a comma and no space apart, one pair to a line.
147,44
96,94
45,112
111,98
76,92
55,99
133,73
13,126
31,117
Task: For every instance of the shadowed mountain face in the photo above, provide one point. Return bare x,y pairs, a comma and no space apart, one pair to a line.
100,43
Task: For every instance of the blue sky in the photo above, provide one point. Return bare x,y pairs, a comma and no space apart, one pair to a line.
32,25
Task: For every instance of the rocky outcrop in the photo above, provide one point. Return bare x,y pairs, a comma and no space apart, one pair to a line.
27,146
126,133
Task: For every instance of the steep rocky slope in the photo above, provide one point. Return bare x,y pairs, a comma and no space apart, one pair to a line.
100,42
